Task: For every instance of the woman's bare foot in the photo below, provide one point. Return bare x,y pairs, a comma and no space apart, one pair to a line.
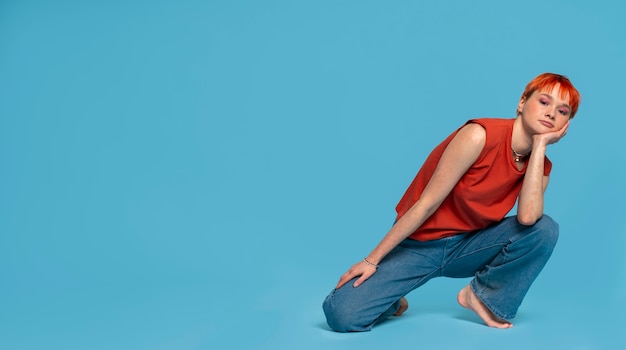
470,301
404,305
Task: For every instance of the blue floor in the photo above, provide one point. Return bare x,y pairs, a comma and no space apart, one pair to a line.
198,174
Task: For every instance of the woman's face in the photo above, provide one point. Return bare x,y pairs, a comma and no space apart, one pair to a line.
545,111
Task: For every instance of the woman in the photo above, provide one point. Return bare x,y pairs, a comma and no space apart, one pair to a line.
451,220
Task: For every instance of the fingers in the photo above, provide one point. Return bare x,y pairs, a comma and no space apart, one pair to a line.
347,277
565,127
362,279
344,278
364,272
563,131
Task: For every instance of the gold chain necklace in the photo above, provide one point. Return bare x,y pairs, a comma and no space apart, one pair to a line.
518,157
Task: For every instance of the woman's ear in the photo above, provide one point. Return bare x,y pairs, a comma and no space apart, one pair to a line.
520,105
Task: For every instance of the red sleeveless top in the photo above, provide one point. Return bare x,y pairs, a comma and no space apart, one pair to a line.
485,193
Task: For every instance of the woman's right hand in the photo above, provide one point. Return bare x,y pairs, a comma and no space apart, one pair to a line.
362,269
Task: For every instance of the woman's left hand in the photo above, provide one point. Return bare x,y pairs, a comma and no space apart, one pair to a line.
551,137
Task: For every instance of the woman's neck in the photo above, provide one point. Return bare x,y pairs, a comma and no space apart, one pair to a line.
521,141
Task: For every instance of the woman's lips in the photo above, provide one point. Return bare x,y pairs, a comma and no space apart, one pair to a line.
547,123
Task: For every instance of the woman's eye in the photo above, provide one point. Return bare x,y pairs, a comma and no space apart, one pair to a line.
543,102
564,111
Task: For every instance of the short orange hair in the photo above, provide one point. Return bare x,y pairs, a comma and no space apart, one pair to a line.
547,81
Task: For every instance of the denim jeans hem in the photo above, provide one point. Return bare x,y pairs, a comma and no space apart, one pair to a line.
487,304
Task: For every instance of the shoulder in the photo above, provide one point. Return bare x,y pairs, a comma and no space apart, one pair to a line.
496,129
474,133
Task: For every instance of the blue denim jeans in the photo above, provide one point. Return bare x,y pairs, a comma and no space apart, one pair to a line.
504,260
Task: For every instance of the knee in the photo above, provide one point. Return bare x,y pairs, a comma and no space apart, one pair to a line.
548,231
340,317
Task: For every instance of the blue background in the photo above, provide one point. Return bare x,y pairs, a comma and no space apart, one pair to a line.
198,174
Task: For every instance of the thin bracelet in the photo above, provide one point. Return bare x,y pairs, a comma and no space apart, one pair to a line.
369,263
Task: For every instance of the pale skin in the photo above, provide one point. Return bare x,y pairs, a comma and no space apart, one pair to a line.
543,119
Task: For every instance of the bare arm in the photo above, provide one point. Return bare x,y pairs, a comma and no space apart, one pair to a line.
530,201
458,157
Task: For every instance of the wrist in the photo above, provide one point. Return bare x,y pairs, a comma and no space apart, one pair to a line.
370,262
539,145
